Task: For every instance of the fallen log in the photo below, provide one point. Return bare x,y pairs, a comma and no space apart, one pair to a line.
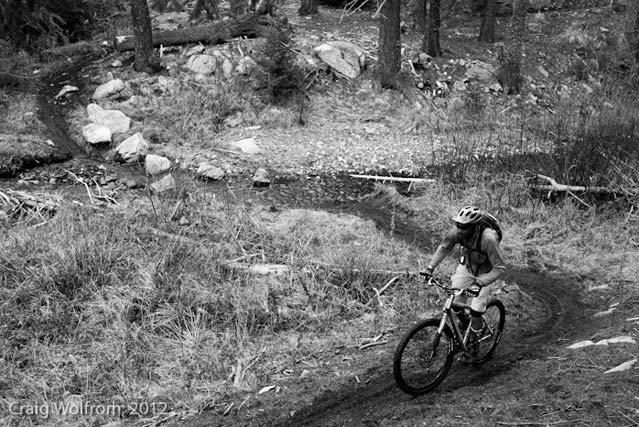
249,25
84,48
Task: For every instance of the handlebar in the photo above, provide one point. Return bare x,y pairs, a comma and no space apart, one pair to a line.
433,280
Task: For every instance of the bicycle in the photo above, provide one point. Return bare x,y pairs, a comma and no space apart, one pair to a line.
425,353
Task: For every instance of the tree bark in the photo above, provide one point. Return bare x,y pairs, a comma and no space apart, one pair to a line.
389,43
145,57
308,7
420,16
510,70
249,25
635,36
430,44
487,29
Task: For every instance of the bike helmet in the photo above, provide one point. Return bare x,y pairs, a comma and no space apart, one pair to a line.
468,215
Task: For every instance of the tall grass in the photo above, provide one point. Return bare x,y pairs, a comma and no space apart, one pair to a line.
111,308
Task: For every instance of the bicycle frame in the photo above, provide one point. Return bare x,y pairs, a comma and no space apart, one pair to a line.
460,336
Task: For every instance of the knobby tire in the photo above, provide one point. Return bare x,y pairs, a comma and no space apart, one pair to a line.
494,320
416,368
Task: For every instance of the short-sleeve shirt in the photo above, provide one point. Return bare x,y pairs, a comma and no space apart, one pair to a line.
479,256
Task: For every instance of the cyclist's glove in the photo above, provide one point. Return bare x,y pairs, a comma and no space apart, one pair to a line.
474,289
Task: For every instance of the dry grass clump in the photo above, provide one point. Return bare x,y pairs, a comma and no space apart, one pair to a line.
119,307
18,115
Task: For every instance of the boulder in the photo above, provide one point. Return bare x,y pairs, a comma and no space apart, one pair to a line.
202,64
245,65
109,88
115,120
246,146
481,72
345,58
96,134
227,68
132,149
166,183
261,178
209,171
156,165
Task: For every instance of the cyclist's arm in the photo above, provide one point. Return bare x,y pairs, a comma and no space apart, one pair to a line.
490,246
444,248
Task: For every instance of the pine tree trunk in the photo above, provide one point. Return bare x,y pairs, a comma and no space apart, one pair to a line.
510,70
487,29
420,15
308,7
389,44
430,44
145,58
635,38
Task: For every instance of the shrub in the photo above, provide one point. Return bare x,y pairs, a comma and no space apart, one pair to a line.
38,24
278,74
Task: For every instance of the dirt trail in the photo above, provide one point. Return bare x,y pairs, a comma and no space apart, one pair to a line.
380,402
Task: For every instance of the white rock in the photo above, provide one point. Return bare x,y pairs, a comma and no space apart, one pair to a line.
227,68
156,165
133,148
109,88
209,171
202,64
261,178
115,120
482,72
245,65
195,50
623,367
344,62
96,134
352,50
166,183
246,146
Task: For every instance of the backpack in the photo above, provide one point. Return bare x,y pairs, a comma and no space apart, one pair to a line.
489,221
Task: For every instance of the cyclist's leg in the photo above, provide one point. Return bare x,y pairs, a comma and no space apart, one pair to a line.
462,279
477,309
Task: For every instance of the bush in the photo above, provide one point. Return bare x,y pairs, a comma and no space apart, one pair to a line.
39,24
278,74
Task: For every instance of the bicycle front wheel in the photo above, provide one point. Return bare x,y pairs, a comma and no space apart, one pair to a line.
423,357
494,320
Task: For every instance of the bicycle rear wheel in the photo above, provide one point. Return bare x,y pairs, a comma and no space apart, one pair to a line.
493,329
423,357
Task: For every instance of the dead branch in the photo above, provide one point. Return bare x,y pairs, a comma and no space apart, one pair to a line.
393,179
21,204
555,187
94,198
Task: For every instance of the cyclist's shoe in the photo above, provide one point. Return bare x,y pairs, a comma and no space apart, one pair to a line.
472,355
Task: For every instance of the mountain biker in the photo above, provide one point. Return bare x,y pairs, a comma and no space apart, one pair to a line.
481,263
